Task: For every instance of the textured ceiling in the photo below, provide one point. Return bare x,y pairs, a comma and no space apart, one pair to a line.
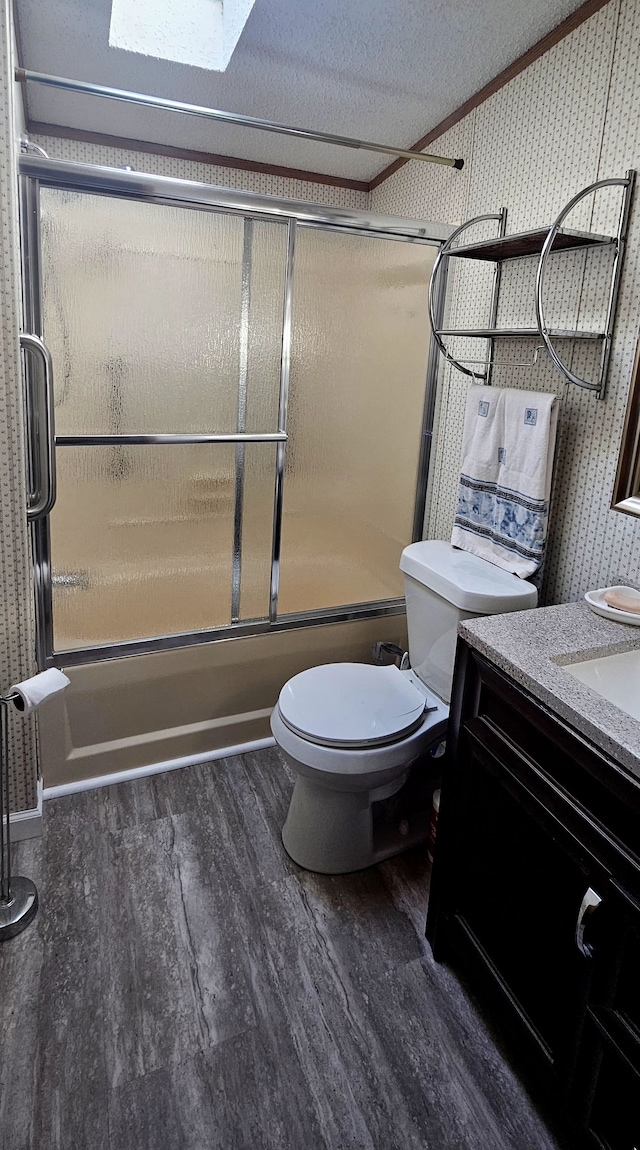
372,69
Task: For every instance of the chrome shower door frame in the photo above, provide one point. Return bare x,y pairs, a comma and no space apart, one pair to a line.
36,172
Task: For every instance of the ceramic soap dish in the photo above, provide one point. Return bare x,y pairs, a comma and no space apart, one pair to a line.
597,603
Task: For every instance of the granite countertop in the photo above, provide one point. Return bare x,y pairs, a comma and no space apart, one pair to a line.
534,647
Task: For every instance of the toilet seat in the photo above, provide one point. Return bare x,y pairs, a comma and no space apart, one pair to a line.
350,766
352,705
355,768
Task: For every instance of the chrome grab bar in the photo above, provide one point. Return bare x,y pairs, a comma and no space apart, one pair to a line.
588,907
140,440
39,421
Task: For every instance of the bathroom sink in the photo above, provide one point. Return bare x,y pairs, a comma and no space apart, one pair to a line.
615,677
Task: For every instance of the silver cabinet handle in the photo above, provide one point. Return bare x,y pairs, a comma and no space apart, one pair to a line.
41,427
588,906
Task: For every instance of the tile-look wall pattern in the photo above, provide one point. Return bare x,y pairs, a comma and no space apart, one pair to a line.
572,117
17,659
79,152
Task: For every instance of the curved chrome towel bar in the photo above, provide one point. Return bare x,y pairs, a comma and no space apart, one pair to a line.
627,183
445,253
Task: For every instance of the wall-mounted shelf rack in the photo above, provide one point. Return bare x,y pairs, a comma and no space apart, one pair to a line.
540,242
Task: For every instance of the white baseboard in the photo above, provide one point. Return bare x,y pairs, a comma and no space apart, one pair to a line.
153,769
28,824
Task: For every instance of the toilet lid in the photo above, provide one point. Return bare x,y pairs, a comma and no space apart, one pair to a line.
351,704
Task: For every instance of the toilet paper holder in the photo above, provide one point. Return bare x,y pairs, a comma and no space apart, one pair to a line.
18,896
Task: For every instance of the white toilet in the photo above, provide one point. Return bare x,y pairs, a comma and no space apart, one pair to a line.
351,731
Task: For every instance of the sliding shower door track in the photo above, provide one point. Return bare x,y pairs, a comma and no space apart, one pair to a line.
168,190
350,614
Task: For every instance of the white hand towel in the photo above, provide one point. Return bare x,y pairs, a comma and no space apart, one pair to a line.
505,486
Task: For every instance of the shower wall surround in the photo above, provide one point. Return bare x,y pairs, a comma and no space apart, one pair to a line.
571,118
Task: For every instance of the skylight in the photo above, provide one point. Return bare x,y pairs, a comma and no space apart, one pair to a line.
202,33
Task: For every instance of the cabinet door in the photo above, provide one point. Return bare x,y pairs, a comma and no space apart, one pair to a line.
610,1059
519,881
622,1003
614,1122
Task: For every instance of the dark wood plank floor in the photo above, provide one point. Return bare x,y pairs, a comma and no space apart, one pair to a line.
186,987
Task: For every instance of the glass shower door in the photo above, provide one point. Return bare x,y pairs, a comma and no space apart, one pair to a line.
359,354
165,327
239,407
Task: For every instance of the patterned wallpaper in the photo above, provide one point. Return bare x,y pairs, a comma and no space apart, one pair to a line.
572,117
16,618
259,182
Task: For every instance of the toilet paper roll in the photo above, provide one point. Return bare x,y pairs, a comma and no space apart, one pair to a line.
34,692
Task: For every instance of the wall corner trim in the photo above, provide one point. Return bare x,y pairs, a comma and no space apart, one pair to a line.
60,132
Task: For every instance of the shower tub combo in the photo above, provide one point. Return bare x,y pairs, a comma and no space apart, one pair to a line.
243,391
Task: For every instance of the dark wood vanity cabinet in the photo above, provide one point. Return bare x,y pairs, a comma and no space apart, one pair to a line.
535,896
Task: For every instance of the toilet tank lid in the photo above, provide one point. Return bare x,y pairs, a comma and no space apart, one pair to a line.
467,581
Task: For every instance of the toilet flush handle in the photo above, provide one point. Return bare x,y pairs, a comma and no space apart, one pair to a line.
381,649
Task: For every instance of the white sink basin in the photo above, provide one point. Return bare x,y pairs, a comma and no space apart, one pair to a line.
615,677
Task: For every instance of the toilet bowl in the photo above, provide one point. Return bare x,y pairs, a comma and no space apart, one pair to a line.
353,732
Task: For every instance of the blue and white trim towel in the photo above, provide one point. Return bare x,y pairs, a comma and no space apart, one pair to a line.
507,461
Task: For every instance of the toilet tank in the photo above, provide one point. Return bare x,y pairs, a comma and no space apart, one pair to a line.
444,586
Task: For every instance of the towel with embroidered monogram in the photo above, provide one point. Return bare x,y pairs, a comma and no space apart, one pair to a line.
508,445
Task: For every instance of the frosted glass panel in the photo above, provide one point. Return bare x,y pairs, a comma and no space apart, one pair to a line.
358,369
143,309
142,541
268,249
257,530
169,319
